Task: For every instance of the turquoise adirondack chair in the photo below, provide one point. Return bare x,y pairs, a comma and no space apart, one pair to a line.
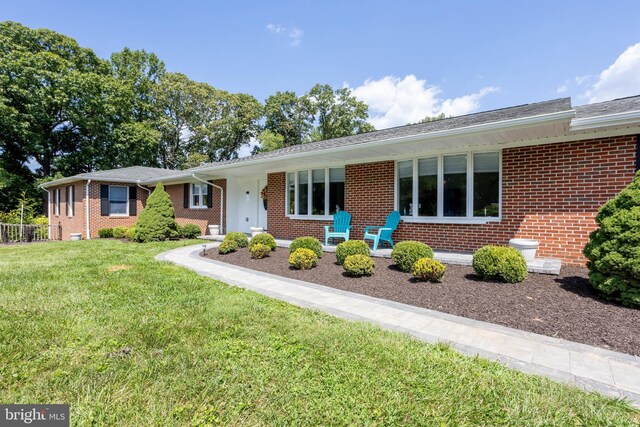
383,234
341,227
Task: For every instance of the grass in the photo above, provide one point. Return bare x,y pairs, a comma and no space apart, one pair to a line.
127,340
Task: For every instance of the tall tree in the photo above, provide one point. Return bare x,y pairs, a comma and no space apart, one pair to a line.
290,116
337,113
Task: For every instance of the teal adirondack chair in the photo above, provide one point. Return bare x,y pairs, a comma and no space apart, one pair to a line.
341,227
383,234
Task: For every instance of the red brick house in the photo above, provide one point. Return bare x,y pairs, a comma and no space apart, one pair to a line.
536,171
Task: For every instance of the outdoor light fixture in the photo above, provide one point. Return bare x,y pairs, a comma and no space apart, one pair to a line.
204,250
247,193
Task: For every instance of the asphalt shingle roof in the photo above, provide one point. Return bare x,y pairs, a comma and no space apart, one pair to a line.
622,105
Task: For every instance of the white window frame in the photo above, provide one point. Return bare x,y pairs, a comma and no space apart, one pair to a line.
440,218
56,202
200,187
327,183
70,201
126,204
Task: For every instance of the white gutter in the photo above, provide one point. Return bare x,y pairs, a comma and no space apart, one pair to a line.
221,197
617,119
86,205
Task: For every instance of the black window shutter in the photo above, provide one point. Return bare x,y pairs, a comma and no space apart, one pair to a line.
186,196
133,199
209,196
66,199
104,200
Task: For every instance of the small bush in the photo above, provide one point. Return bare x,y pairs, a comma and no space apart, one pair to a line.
190,231
500,262
358,265
303,259
613,250
263,239
119,232
307,242
105,233
241,240
130,233
259,251
351,247
428,269
157,221
405,254
227,246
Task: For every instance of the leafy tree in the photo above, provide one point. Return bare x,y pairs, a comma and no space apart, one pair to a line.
440,116
269,141
337,113
157,221
614,248
290,116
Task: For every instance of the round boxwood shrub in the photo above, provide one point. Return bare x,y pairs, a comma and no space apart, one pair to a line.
157,221
358,265
118,232
105,233
351,247
241,240
405,254
428,270
263,239
130,233
190,231
303,259
503,263
613,251
307,242
259,251
227,246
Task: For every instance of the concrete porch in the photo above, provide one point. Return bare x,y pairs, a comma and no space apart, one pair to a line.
539,265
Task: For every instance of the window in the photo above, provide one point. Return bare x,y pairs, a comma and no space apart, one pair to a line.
315,192
449,187
56,202
118,200
199,196
70,194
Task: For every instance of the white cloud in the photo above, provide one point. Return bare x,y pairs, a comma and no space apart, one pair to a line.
563,88
395,101
621,79
295,36
275,28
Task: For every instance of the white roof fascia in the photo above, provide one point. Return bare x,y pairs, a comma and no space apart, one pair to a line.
617,119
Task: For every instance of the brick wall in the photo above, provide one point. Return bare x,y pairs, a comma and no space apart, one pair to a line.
76,224
549,192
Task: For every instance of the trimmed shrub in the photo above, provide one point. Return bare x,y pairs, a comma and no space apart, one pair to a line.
227,246
307,242
105,233
119,232
263,239
428,269
259,250
613,251
500,262
157,221
351,247
241,240
405,254
130,233
303,259
190,231
358,265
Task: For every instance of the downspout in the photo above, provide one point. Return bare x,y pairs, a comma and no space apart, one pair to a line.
86,205
221,197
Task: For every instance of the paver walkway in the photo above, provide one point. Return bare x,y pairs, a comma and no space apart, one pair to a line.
608,372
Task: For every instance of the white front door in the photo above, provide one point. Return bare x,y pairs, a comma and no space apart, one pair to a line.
247,199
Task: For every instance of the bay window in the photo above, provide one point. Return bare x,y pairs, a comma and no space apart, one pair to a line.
449,188
315,192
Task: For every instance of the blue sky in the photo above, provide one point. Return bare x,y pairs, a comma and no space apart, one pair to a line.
405,59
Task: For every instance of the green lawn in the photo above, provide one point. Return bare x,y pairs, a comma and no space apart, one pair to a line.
204,353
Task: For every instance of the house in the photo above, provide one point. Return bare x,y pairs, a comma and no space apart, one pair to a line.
538,171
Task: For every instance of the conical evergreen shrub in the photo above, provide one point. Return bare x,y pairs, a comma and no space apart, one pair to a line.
157,221
614,248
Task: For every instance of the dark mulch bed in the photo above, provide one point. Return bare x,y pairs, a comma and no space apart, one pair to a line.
564,306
